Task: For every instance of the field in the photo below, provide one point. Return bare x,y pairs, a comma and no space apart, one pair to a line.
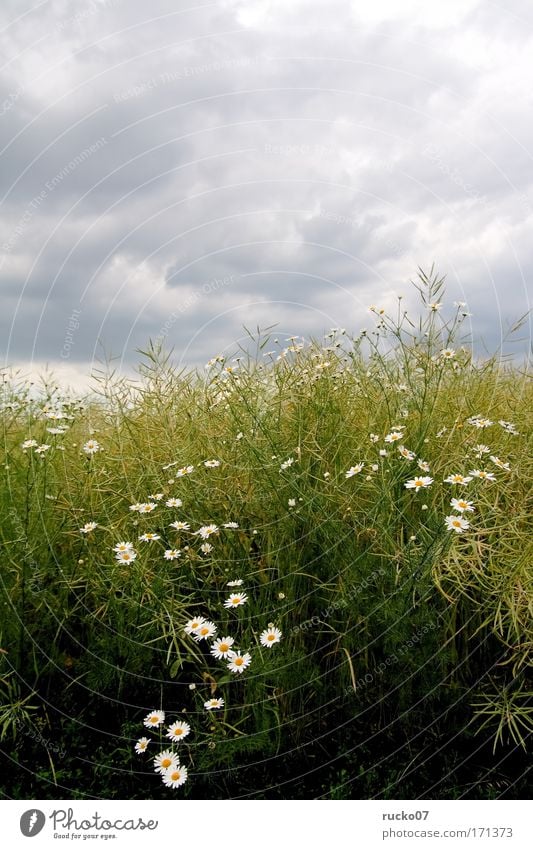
354,514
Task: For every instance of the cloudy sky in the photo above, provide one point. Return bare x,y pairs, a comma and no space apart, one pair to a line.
183,169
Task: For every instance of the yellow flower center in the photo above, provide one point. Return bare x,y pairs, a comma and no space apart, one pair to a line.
166,762
239,661
175,776
178,732
204,631
154,719
235,600
271,637
223,647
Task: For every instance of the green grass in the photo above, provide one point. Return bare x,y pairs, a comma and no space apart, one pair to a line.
404,666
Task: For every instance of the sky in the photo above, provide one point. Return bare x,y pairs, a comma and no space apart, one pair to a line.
181,171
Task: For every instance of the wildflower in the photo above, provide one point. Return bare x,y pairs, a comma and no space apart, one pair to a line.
180,526
327,475
123,546
174,502
204,631
456,478
435,307
175,776
29,443
88,527
206,548
91,446
56,431
480,449
286,464
230,525
221,647
172,554
394,436
149,507
214,704
154,719
141,745
462,506
405,453
383,452
126,556
211,464
354,470
423,465
374,437
186,470
235,600
509,427
149,537
419,483
291,502
457,524
479,422
447,354
42,448
193,624
270,636
157,497
500,463
281,596
165,760
206,531
236,583
178,730
239,435
239,662
135,508
479,473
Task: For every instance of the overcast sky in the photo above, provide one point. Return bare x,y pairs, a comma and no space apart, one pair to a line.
183,169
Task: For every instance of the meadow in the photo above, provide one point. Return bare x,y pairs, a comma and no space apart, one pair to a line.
302,572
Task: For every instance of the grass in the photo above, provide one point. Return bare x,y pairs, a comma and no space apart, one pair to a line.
404,664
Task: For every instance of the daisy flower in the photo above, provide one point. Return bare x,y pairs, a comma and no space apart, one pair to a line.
500,463
29,443
456,478
42,448
239,662
206,548
88,527
393,436
211,464
435,306
123,546
486,476
204,631
270,636
462,506
157,497
91,446
141,745
423,465
193,624
214,704
419,483
447,354
186,470
206,531
175,776
237,583
148,507
154,719
126,556
178,730
457,524
56,431
172,554
149,537
174,502
222,647
166,760
354,470
230,525
509,427
235,600
286,464
408,455
180,526
135,507
480,449
291,502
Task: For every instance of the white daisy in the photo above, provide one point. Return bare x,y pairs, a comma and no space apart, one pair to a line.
154,719
141,745
239,662
91,446
419,483
457,478
174,502
206,531
29,443
165,760
149,537
354,470
88,527
206,548
148,507
500,463
447,354
135,507
126,556
186,470
178,730
180,526
457,524
486,476
42,448
214,704
222,647
237,583
462,506
394,436
235,600
157,497
405,453
175,776
423,465
230,525
291,502
123,546
204,631
211,464
286,464
270,636
172,554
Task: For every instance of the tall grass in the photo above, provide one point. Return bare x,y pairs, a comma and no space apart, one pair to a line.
401,639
